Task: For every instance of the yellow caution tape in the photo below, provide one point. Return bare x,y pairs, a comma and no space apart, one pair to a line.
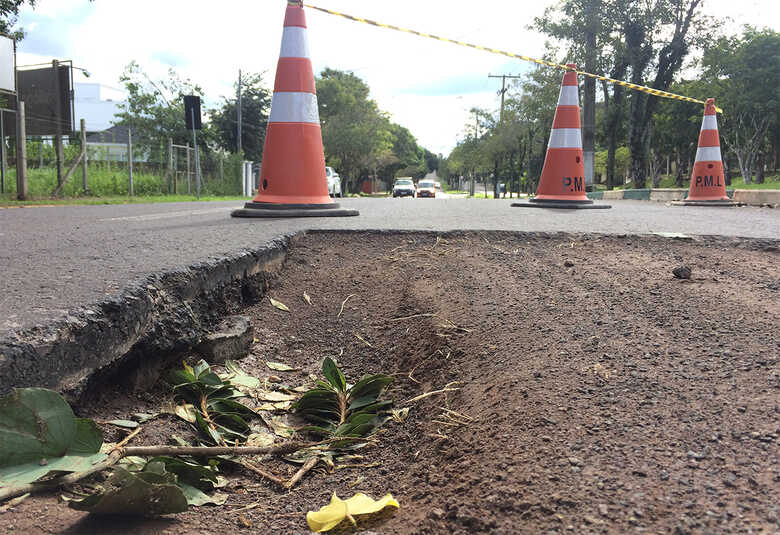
635,87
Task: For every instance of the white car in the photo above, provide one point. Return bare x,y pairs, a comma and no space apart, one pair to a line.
334,182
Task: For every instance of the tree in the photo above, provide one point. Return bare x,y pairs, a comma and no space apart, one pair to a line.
744,76
9,12
154,110
657,41
255,107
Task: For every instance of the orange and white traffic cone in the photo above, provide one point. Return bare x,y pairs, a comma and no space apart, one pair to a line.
708,185
292,179
562,184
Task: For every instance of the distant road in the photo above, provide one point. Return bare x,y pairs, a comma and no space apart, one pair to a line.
56,258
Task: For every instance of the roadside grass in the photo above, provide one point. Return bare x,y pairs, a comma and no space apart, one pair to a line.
105,183
6,202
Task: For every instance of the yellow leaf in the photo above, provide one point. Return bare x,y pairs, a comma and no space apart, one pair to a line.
360,504
278,304
327,517
338,510
306,297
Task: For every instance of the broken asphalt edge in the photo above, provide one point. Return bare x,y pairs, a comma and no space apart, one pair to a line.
131,336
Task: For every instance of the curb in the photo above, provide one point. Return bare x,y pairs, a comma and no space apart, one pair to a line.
751,197
130,335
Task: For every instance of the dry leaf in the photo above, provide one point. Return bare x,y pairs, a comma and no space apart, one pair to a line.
279,367
338,510
260,440
186,412
278,304
306,297
264,395
280,428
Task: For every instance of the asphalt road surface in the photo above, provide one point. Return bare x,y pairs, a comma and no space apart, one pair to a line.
57,258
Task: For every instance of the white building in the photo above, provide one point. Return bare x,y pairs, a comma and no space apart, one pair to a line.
96,104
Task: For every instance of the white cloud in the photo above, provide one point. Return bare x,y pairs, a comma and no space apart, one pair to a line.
209,42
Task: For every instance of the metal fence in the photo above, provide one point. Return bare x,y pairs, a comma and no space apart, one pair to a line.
99,165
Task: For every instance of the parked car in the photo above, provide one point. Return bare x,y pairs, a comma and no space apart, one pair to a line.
334,182
426,188
404,187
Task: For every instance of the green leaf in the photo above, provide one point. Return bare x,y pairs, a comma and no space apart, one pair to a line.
181,377
39,435
189,472
239,377
197,497
128,424
372,385
152,492
35,424
333,374
88,438
201,367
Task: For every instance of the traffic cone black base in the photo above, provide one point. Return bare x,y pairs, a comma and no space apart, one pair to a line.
706,203
554,203
263,209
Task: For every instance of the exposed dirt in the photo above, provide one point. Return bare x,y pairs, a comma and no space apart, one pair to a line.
597,392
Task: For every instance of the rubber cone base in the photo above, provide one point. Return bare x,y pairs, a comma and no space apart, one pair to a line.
707,203
553,203
262,209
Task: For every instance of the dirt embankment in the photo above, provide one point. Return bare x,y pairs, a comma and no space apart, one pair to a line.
590,390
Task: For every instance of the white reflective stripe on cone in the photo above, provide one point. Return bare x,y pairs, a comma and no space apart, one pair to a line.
295,44
708,154
568,96
710,122
294,108
565,138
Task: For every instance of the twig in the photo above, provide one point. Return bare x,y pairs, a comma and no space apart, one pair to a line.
257,470
434,392
426,315
457,414
362,339
310,463
247,507
121,444
344,303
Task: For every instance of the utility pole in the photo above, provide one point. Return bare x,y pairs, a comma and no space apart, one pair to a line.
238,112
503,90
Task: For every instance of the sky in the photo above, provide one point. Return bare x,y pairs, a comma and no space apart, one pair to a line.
426,86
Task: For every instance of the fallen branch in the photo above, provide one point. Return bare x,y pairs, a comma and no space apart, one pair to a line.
119,452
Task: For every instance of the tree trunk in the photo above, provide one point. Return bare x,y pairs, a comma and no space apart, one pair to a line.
726,171
614,119
678,169
760,167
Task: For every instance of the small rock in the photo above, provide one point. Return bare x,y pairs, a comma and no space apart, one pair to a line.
568,263
436,513
603,510
546,438
682,272
231,340
274,379
575,461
